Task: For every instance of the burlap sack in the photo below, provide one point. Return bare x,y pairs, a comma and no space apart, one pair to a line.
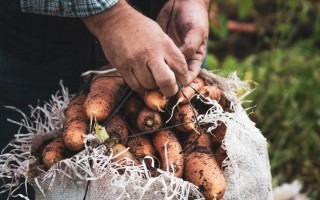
91,175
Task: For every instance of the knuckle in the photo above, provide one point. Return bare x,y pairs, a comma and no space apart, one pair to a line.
147,52
181,67
131,58
141,54
187,26
189,50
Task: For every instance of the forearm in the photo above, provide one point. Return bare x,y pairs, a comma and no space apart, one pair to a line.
100,24
205,3
66,8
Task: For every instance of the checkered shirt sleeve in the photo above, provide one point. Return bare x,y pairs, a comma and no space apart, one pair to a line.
66,8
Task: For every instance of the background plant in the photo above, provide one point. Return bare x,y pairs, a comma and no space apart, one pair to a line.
282,57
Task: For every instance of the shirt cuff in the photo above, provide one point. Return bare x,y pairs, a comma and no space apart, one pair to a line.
66,8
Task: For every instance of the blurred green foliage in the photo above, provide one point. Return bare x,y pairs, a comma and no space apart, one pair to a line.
284,61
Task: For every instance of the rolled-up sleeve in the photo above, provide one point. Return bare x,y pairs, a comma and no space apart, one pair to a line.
66,8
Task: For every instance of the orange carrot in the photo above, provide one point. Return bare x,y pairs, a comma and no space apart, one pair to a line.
211,91
225,104
148,120
217,135
53,153
131,108
214,93
141,146
99,81
155,100
220,155
105,92
195,139
185,114
122,155
169,149
75,124
201,169
117,126
187,92
133,105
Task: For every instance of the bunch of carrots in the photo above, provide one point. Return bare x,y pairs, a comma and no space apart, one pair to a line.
148,125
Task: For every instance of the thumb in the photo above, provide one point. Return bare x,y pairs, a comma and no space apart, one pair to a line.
191,43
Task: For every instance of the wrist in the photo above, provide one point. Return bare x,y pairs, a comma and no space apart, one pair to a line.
105,21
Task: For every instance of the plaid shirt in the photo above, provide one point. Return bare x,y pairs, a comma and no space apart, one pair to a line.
66,8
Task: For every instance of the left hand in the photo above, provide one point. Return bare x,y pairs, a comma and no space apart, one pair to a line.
189,28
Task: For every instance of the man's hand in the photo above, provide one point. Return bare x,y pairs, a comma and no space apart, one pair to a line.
189,28
139,49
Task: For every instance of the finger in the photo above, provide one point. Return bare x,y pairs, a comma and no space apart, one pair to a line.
194,69
195,63
192,42
132,81
162,18
177,63
145,77
164,76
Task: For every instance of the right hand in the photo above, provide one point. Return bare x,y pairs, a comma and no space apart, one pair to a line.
188,28
139,49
